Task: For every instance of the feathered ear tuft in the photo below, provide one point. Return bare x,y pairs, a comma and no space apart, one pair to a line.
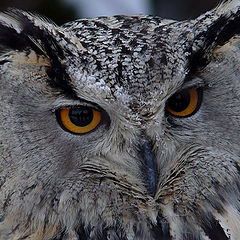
21,31
213,29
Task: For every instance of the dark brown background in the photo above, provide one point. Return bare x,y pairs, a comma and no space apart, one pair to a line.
61,12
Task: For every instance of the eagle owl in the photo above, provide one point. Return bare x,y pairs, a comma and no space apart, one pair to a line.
120,128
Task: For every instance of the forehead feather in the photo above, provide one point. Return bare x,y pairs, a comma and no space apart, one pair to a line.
133,53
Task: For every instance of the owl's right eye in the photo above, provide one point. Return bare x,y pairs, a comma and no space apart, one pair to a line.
79,120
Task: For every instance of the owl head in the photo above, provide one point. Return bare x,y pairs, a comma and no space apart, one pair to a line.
120,128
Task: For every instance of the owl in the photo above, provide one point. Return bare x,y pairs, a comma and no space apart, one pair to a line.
120,128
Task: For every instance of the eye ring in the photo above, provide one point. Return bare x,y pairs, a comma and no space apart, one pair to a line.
79,120
185,103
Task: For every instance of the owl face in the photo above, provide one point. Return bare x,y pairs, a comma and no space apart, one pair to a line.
123,127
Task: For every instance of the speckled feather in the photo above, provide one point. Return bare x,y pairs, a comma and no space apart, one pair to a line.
130,55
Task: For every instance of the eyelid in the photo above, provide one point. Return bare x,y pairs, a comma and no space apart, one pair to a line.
73,104
79,106
195,82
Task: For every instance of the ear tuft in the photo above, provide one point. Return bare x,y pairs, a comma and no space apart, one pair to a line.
20,30
213,29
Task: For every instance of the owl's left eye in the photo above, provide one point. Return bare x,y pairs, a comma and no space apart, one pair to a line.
185,103
79,120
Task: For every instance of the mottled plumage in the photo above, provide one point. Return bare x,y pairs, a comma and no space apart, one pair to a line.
120,128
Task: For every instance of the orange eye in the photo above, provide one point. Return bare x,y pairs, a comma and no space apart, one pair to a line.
79,120
184,103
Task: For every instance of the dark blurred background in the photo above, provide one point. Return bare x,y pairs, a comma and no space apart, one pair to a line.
62,11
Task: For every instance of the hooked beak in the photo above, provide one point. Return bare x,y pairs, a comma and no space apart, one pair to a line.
149,168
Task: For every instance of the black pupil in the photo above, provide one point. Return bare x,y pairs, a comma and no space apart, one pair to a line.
180,101
81,116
